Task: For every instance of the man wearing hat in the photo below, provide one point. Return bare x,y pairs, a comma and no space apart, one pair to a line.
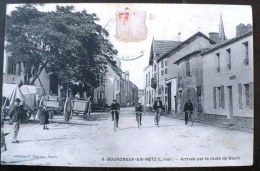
139,110
115,107
15,114
157,107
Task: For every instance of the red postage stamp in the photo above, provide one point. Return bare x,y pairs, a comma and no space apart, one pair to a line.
130,26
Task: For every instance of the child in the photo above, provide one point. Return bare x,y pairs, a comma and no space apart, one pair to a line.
44,117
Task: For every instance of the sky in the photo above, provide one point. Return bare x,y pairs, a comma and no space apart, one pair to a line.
163,22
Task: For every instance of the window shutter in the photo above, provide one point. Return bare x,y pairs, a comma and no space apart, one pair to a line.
240,95
251,95
214,97
222,97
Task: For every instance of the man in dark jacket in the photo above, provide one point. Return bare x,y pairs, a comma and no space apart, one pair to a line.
188,107
15,114
115,107
157,106
139,110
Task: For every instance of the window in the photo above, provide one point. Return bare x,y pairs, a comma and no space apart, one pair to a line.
246,88
162,89
221,98
229,59
162,72
214,98
150,97
159,90
146,82
166,98
166,90
166,72
154,75
188,69
117,86
246,62
189,93
154,68
218,62
165,63
240,96
149,79
11,66
162,64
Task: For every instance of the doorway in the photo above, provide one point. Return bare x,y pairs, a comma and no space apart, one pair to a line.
230,102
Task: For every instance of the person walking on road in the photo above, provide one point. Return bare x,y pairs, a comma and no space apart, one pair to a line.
157,107
3,144
16,113
44,117
188,108
139,109
115,107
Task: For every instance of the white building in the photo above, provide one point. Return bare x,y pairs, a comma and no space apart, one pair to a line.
228,80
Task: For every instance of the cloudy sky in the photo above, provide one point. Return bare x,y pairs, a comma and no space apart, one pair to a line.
164,22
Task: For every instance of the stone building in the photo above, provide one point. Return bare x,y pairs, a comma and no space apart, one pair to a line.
156,72
185,70
228,81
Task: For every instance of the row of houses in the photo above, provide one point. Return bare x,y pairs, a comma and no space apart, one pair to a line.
215,73
114,84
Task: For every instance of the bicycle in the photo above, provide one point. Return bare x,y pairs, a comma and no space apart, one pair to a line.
115,118
157,116
190,118
138,118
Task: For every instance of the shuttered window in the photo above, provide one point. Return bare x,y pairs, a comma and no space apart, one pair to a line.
251,95
222,97
214,98
246,88
240,96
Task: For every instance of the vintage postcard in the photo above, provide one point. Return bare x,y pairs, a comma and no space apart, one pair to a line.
127,85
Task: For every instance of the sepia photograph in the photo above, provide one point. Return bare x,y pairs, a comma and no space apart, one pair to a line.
127,85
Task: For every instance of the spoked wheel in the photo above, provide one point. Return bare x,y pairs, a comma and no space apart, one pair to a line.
157,120
138,120
114,124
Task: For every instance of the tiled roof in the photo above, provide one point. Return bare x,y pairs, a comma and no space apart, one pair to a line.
160,47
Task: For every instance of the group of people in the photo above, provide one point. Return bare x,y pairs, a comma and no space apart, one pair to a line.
157,108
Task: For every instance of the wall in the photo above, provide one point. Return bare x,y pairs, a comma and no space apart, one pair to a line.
239,73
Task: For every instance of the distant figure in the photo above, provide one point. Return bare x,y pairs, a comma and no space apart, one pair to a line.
188,108
77,96
139,110
16,113
115,107
44,117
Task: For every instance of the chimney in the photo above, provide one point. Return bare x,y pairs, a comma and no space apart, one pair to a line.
242,29
214,36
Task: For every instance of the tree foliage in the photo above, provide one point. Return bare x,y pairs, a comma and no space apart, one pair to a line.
65,42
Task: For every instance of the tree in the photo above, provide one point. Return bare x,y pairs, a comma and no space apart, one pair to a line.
70,44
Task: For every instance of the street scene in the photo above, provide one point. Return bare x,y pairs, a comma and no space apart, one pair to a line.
95,143
126,85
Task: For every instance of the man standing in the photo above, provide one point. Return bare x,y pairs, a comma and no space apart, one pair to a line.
115,107
188,108
15,114
157,106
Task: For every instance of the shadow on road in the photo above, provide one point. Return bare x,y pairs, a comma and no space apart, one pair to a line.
145,127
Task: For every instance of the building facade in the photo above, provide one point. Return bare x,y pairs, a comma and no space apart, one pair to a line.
228,81
185,71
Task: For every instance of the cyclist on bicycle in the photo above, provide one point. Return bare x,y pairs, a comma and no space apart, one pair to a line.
188,108
115,107
157,107
139,109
